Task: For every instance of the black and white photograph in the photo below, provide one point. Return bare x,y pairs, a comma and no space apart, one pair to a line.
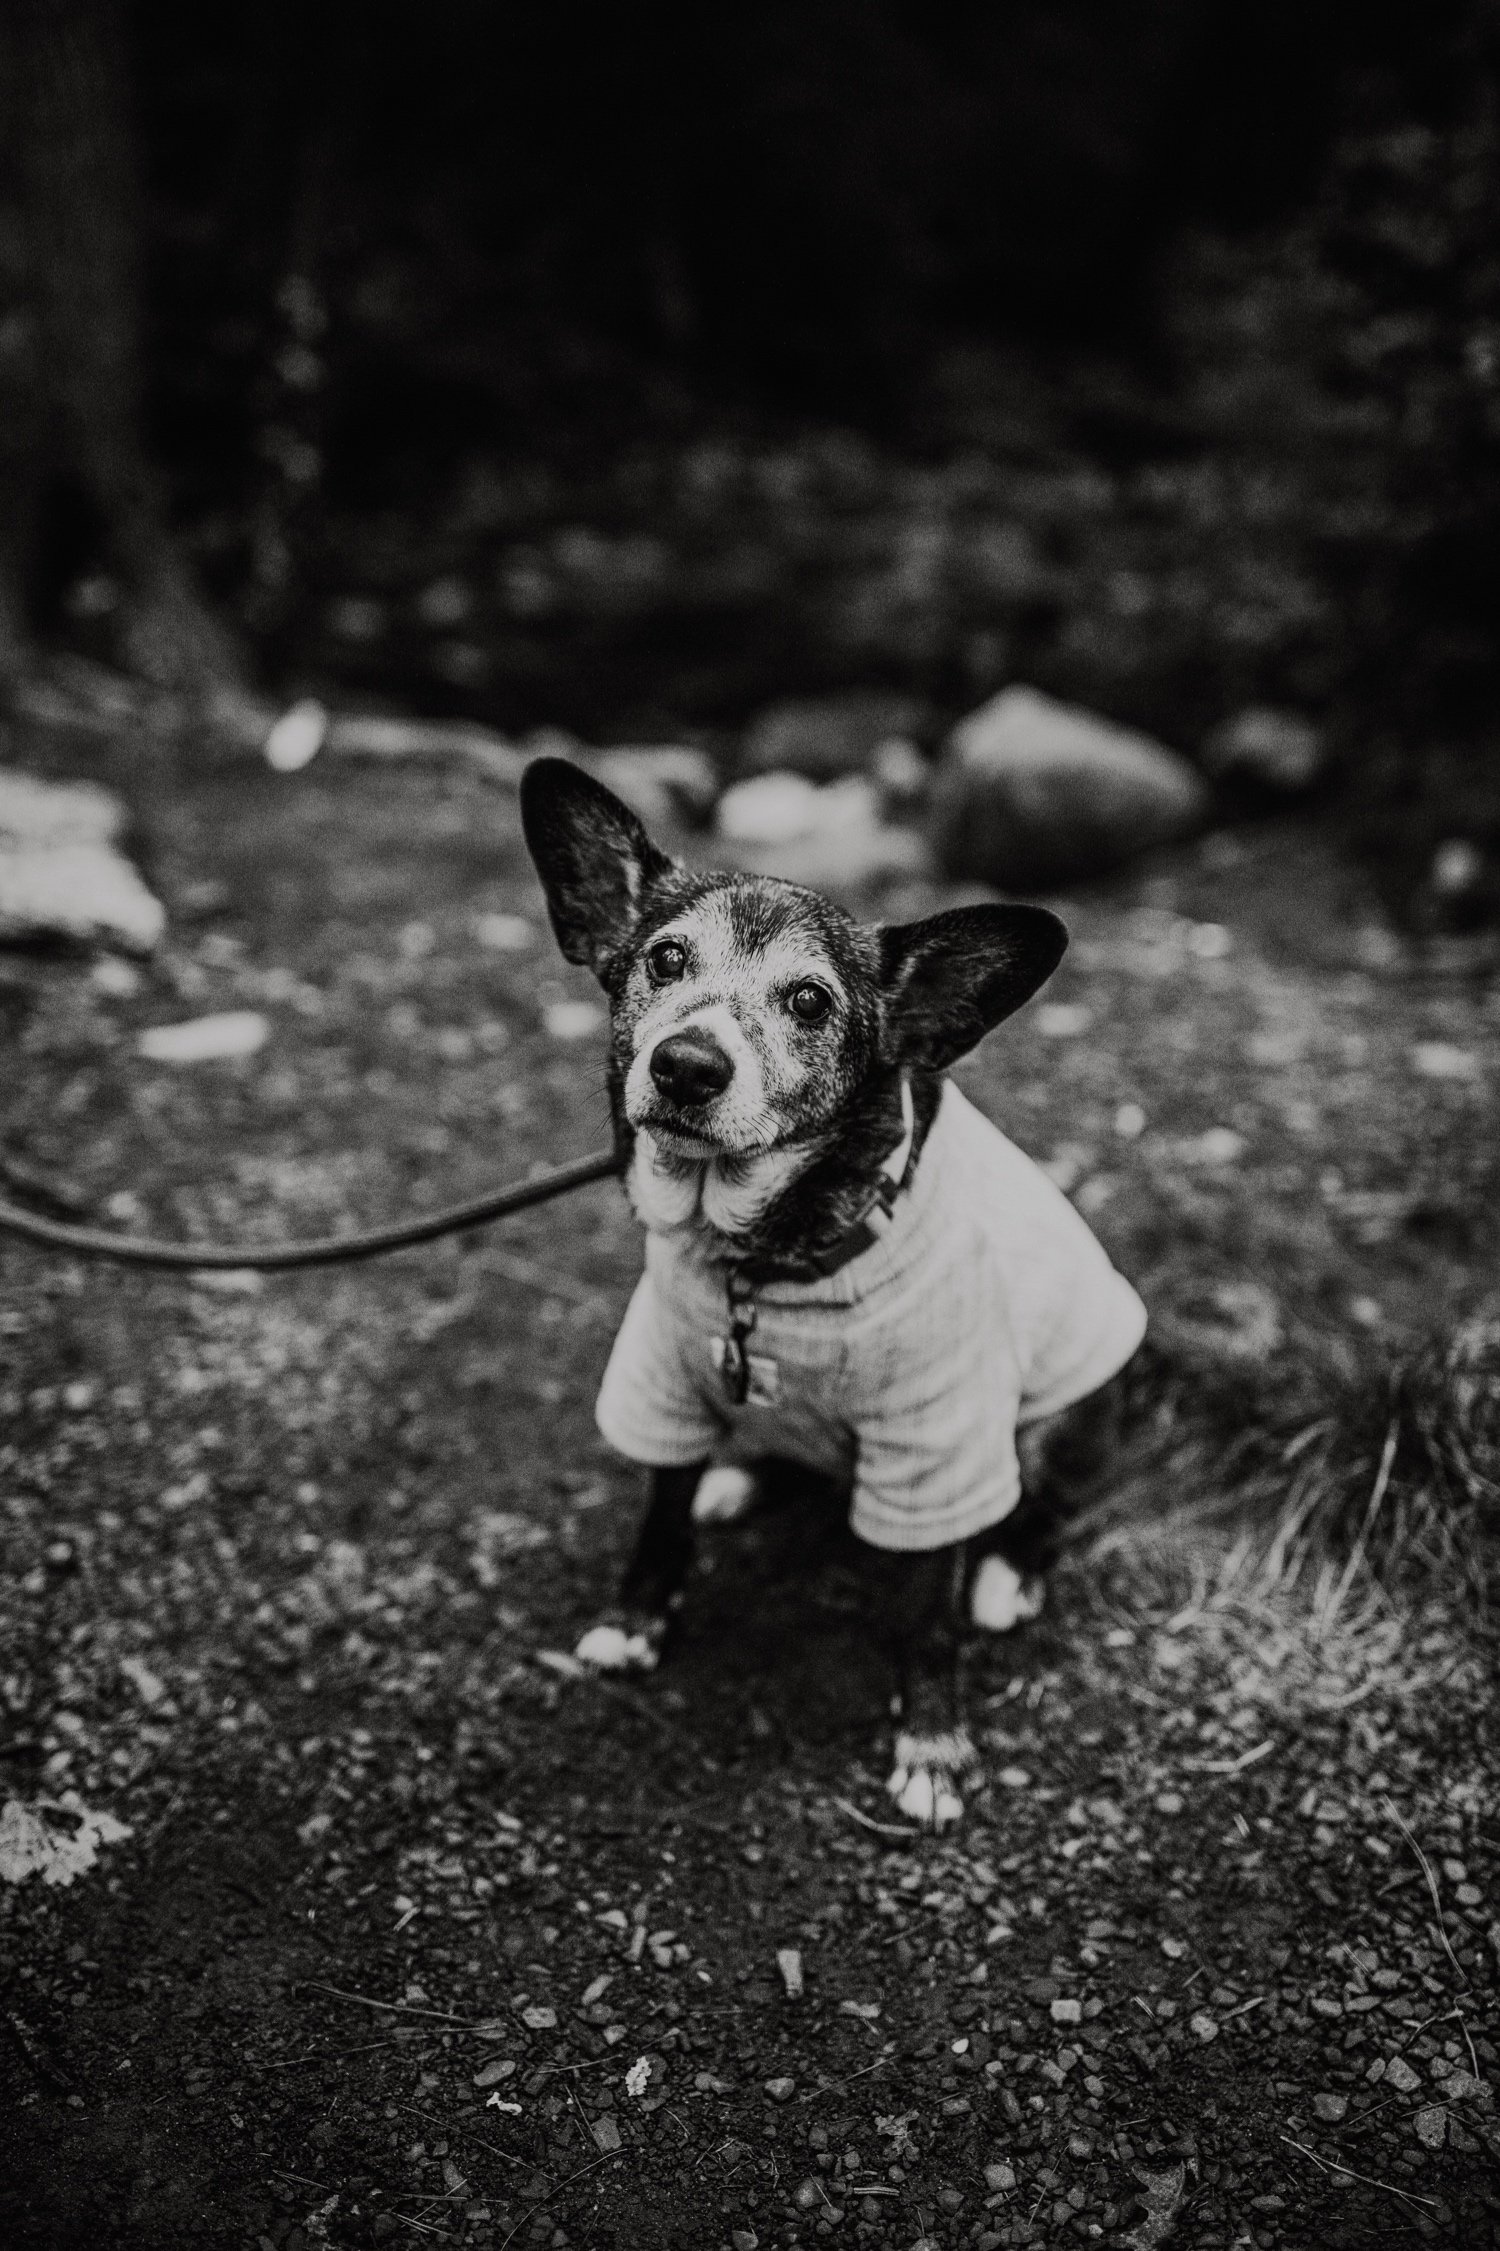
749,1146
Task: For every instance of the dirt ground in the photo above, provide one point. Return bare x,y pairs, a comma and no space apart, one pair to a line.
414,1934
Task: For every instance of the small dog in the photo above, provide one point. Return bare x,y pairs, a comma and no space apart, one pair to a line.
846,1265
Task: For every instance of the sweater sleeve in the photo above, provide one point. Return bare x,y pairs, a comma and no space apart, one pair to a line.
649,1408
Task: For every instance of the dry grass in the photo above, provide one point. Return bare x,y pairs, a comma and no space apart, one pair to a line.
1322,1522
1332,1464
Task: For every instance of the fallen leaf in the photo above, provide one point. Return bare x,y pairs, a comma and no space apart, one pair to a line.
206,1039
572,1019
36,1839
1162,2193
297,737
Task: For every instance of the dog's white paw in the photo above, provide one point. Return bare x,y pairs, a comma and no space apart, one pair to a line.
1002,1597
924,1781
725,1493
617,1649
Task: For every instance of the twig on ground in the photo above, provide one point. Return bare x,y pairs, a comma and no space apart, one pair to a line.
1237,1766
584,2127
1389,2187
1432,1886
553,2194
321,2055
834,2085
399,2008
458,2126
26,2042
881,1828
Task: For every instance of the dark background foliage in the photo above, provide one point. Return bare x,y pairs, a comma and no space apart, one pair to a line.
1196,307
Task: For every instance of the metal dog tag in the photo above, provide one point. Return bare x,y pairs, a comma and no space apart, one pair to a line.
750,1379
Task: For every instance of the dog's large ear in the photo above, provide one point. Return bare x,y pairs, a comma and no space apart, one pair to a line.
949,980
593,856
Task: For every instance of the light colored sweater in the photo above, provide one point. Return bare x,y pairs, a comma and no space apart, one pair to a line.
986,1304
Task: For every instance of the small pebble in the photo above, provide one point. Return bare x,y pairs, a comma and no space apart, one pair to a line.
781,2090
1400,2075
1330,2108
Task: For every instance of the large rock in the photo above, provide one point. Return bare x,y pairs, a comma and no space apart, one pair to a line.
824,737
1031,794
61,872
666,783
833,839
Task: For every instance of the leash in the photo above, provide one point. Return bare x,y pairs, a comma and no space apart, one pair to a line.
325,1250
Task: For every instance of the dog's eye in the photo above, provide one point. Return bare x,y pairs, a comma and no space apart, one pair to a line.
810,1003
667,961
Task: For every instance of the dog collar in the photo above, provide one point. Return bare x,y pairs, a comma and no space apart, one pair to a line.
873,1222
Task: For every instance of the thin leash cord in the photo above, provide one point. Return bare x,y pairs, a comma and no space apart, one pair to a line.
326,1250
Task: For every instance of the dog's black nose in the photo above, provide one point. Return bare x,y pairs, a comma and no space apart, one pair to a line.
690,1067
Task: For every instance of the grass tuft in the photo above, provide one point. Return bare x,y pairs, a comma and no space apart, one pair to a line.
1336,1463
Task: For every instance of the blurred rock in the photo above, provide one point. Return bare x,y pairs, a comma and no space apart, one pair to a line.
663,782
771,809
900,773
1461,893
826,736
1031,794
832,839
61,872
224,1038
1272,750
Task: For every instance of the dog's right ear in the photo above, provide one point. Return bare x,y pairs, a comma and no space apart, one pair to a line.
593,856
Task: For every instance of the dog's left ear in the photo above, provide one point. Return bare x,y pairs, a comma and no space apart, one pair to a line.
949,980
593,856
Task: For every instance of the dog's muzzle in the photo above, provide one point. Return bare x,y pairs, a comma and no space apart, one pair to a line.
689,1068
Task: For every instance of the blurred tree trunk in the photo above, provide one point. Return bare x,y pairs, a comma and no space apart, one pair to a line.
76,164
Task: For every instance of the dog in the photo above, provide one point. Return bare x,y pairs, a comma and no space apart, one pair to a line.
846,1265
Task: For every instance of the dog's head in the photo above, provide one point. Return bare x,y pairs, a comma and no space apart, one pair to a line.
746,1011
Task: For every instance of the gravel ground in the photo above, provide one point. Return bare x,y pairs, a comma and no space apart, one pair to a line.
415,1934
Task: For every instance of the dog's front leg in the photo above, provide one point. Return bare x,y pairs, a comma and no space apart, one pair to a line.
632,1635
920,1607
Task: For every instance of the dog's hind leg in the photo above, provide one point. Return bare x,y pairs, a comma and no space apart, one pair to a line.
632,1635
1065,1459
